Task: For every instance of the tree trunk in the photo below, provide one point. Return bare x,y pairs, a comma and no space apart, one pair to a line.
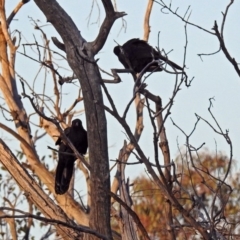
80,57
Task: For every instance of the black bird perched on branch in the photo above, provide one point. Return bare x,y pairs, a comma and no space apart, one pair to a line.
66,158
138,53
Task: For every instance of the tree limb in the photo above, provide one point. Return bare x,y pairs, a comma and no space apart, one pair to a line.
34,192
105,28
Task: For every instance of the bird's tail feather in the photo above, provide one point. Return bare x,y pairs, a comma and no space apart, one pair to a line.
172,64
63,176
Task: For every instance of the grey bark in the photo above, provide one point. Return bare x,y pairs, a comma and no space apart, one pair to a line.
80,56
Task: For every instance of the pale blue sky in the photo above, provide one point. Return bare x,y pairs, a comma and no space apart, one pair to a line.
214,77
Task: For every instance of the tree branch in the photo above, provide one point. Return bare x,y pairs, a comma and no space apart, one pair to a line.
224,49
33,191
51,221
15,10
105,28
146,24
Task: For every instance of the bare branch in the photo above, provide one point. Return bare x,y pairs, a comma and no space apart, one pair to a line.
64,137
132,213
34,192
146,25
52,221
12,225
58,44
110,18
15,10
162,3
224,49
225,16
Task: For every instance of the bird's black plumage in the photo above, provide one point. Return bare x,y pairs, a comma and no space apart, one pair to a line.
78,136
138,54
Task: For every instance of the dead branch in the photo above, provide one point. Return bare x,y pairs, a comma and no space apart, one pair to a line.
51,221
12,225
146,24
174,12
15,10
131,212
58,44
110,18
63,136
34,192
225,50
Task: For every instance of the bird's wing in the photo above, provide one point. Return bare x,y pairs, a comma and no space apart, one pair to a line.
131,42
84,142
66,131
140,54
78,138
145,53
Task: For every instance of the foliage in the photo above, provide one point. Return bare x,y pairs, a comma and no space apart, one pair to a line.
201,184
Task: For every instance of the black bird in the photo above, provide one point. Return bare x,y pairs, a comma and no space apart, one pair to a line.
138,54
78,136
